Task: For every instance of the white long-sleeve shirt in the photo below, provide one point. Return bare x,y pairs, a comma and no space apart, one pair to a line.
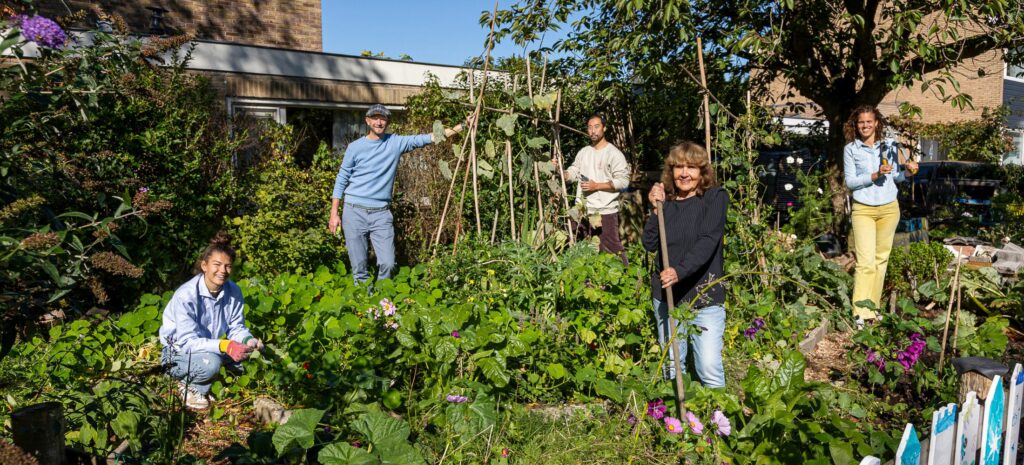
604,165
194,320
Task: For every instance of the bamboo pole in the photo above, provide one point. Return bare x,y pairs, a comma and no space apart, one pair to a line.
524,115
672,324
529,77
707,102
556,146
956,325
511,195
497,207
476,192
949,309
543,73
473,121
448,197
540,205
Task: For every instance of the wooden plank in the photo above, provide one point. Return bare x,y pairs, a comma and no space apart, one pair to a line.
909,452
1013,403
967,431
992,423
942,442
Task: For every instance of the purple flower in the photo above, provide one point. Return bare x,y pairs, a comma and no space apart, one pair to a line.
455,334
41,30
759,323
694,423
750,332
656,409
143,190
722,425
872,357
356,444
455,399
673,425
632,419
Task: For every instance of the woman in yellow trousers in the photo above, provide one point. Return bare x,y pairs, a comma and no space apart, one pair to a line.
871,167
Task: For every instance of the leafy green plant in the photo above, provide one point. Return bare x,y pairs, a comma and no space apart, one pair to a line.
916,264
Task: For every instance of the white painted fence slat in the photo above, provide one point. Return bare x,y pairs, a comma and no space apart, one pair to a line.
967,431
992,423
1013,404
942,442
909,452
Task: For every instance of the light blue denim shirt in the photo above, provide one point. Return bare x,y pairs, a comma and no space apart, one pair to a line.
194,320
860,160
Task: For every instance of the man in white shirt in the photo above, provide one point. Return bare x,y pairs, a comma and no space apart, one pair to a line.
602,172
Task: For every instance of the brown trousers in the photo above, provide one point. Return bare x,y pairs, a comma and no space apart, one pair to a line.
608,232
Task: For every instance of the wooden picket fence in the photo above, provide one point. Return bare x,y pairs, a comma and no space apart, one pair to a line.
969,435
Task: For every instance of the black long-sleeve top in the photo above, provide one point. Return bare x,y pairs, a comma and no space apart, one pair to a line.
694,230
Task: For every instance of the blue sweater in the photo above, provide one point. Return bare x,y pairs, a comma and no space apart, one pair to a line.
367,173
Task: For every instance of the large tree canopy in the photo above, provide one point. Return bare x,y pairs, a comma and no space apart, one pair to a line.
837,53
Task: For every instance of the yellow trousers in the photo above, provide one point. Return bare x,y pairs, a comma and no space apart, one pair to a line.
873,232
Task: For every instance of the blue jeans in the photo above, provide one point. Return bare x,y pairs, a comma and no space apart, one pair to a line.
360,223
707,344
198,369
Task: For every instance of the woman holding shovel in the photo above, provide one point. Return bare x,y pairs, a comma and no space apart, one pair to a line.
694,224
203,326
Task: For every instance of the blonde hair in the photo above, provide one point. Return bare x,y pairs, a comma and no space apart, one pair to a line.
692,154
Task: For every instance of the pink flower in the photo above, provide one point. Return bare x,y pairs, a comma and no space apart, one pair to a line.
673,425
455,334
694,423
456,399
631,420
722,425
656,409
389,308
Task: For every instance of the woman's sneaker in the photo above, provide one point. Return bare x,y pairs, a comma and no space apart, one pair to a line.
192,398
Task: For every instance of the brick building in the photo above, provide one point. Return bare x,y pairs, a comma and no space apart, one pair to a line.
266,58
987,79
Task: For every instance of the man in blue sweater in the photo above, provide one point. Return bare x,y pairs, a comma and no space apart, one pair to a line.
365,181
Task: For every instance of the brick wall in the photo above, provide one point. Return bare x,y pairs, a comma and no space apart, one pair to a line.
986,91
292,24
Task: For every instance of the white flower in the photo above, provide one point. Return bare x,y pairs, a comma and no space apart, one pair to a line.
800,160
789,159
788,186
820,191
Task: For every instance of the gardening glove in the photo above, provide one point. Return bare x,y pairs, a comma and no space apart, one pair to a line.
236,350
253,343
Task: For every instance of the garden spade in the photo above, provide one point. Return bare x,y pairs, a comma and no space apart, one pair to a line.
672,324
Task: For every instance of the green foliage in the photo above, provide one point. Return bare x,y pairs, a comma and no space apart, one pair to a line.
983,139
916,264
95,137
284,228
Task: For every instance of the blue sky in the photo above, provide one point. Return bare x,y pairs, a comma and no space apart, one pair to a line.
432,31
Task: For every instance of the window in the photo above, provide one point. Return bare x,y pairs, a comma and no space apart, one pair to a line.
931,150
1016,155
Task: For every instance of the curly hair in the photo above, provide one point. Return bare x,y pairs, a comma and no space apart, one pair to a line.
692,154
850,128
221,242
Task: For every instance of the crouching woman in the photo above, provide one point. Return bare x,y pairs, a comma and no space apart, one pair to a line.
203,326
695,212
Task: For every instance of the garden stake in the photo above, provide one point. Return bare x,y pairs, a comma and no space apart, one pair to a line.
707,102
949,309
511,197
680,388
956,325
556,146
540,205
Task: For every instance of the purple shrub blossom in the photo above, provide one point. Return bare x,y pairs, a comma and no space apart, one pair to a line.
456,334
456,399
41,30
656,409
631,420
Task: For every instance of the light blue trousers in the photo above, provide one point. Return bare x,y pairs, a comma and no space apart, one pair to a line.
198,369
360,224
706,340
